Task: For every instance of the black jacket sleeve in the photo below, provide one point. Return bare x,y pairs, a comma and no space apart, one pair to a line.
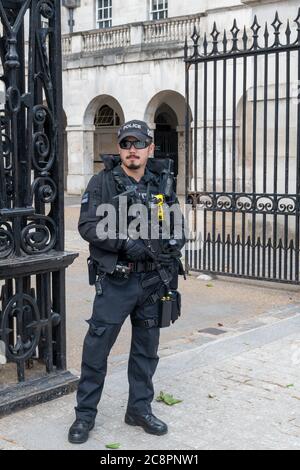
89,220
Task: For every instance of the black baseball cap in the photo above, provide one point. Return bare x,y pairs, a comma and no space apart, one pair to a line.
138,129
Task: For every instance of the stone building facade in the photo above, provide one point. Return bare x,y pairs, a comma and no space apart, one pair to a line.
124,60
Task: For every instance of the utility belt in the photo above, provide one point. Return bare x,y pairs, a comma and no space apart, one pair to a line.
126,267
170,300
123,269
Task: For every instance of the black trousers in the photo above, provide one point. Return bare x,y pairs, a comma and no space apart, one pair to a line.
121,298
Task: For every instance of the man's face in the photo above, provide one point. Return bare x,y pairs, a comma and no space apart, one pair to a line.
133,158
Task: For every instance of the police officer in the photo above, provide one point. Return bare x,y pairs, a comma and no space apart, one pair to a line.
127,283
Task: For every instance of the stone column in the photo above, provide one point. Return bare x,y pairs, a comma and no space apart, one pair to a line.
136,34
77,43
80,158
152,126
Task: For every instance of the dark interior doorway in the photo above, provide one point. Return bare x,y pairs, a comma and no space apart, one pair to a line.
166,136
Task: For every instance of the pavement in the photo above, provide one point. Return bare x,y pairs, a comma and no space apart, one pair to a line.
233,359
239,392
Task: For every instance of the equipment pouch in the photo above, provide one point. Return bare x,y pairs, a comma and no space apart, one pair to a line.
99,284
170,309
165,316
92,268
176,306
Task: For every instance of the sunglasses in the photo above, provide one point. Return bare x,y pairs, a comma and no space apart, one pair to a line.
138,144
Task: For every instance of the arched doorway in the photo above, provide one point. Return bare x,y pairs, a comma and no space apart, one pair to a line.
108,119
103,117
166,135
165,114
107,122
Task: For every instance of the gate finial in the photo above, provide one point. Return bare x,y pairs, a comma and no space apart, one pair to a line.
277,25
215,35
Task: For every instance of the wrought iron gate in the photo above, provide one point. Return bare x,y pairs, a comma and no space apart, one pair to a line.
32,257
243,150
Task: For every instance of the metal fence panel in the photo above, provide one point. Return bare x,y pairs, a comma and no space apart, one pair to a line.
243,150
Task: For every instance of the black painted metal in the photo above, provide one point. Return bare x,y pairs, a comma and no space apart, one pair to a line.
243,169
32,257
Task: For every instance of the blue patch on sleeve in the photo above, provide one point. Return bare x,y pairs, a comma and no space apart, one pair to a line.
85,198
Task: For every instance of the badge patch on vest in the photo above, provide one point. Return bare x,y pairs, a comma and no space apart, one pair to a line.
85,198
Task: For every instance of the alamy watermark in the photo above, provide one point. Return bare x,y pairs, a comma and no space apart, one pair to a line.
157,223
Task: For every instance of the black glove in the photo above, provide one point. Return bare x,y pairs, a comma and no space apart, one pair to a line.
135,249
172,249
174,254
167,259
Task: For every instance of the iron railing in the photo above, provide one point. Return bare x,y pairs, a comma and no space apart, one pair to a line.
243,165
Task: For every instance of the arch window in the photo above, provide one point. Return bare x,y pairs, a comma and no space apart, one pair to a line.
106,117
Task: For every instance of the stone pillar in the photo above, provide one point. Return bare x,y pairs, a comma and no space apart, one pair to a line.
136,34
77,43
80,158
152,126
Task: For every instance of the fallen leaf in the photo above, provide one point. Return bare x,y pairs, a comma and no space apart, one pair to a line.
168,399
113,446
7,440
290,386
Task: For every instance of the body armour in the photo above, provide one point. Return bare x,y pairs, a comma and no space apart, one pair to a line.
105,188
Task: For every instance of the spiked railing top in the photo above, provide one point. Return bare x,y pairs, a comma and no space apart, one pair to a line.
241,41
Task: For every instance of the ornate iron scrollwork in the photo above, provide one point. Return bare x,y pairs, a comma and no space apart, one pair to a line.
43,144
32,256
39,236
40,121
245,203
27,335
6,240
46,8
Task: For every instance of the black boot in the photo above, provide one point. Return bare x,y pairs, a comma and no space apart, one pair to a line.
79,431
148,422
